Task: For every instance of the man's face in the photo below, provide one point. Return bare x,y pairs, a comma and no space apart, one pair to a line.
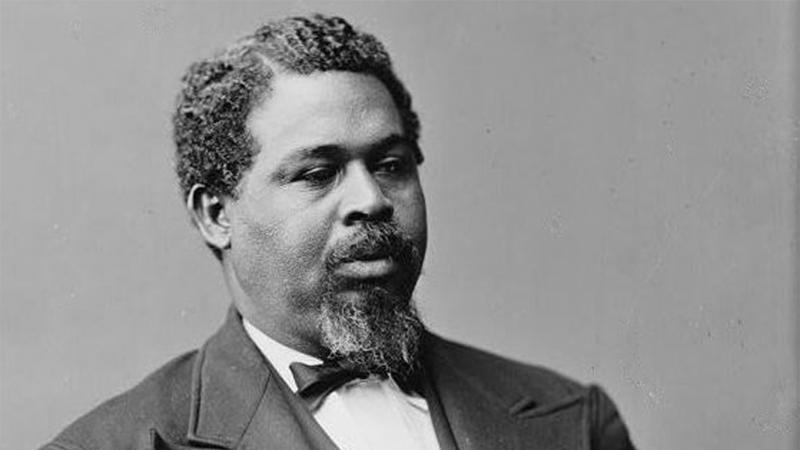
332,206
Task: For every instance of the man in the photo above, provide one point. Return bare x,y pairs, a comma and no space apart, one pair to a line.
297,155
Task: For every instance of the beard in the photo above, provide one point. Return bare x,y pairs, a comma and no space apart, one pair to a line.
368,326
374,332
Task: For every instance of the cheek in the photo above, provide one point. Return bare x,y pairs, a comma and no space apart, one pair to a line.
412,216
279,254
305,239
253,249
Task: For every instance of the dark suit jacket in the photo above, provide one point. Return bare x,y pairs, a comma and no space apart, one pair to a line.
227,396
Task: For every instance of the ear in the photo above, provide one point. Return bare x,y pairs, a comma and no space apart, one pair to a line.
209,216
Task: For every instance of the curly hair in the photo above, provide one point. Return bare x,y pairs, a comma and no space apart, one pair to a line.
213,144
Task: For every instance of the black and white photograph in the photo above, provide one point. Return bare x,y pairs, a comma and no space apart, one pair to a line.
399,225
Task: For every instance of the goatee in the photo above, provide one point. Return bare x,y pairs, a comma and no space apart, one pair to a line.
373,326
373,332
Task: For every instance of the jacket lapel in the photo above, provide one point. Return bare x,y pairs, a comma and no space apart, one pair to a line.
481,408
286,422
238,401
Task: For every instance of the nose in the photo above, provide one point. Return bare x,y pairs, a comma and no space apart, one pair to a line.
363,199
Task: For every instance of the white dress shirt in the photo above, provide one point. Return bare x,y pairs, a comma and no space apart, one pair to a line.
363,414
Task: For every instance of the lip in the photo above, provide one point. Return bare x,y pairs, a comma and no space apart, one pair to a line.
368,268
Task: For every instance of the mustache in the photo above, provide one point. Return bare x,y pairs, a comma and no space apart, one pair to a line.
372,240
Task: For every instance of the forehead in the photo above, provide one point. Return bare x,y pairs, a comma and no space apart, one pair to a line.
344,109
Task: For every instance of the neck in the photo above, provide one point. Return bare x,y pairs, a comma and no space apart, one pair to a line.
275,318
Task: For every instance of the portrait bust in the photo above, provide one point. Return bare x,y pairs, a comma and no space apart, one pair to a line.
297,155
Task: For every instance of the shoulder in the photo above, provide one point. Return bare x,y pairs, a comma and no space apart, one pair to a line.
483,366
526,389
160,401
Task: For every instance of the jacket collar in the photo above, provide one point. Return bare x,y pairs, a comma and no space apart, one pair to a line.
238,401
229,382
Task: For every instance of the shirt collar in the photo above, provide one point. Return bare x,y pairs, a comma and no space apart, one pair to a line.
278,354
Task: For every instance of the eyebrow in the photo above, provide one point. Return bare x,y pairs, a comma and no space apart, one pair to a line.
336,152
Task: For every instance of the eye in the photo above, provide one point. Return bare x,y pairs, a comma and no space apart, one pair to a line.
391,165
317,176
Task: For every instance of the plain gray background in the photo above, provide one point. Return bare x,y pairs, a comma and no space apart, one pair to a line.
611,192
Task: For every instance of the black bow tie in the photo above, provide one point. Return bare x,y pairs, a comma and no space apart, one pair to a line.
316,382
